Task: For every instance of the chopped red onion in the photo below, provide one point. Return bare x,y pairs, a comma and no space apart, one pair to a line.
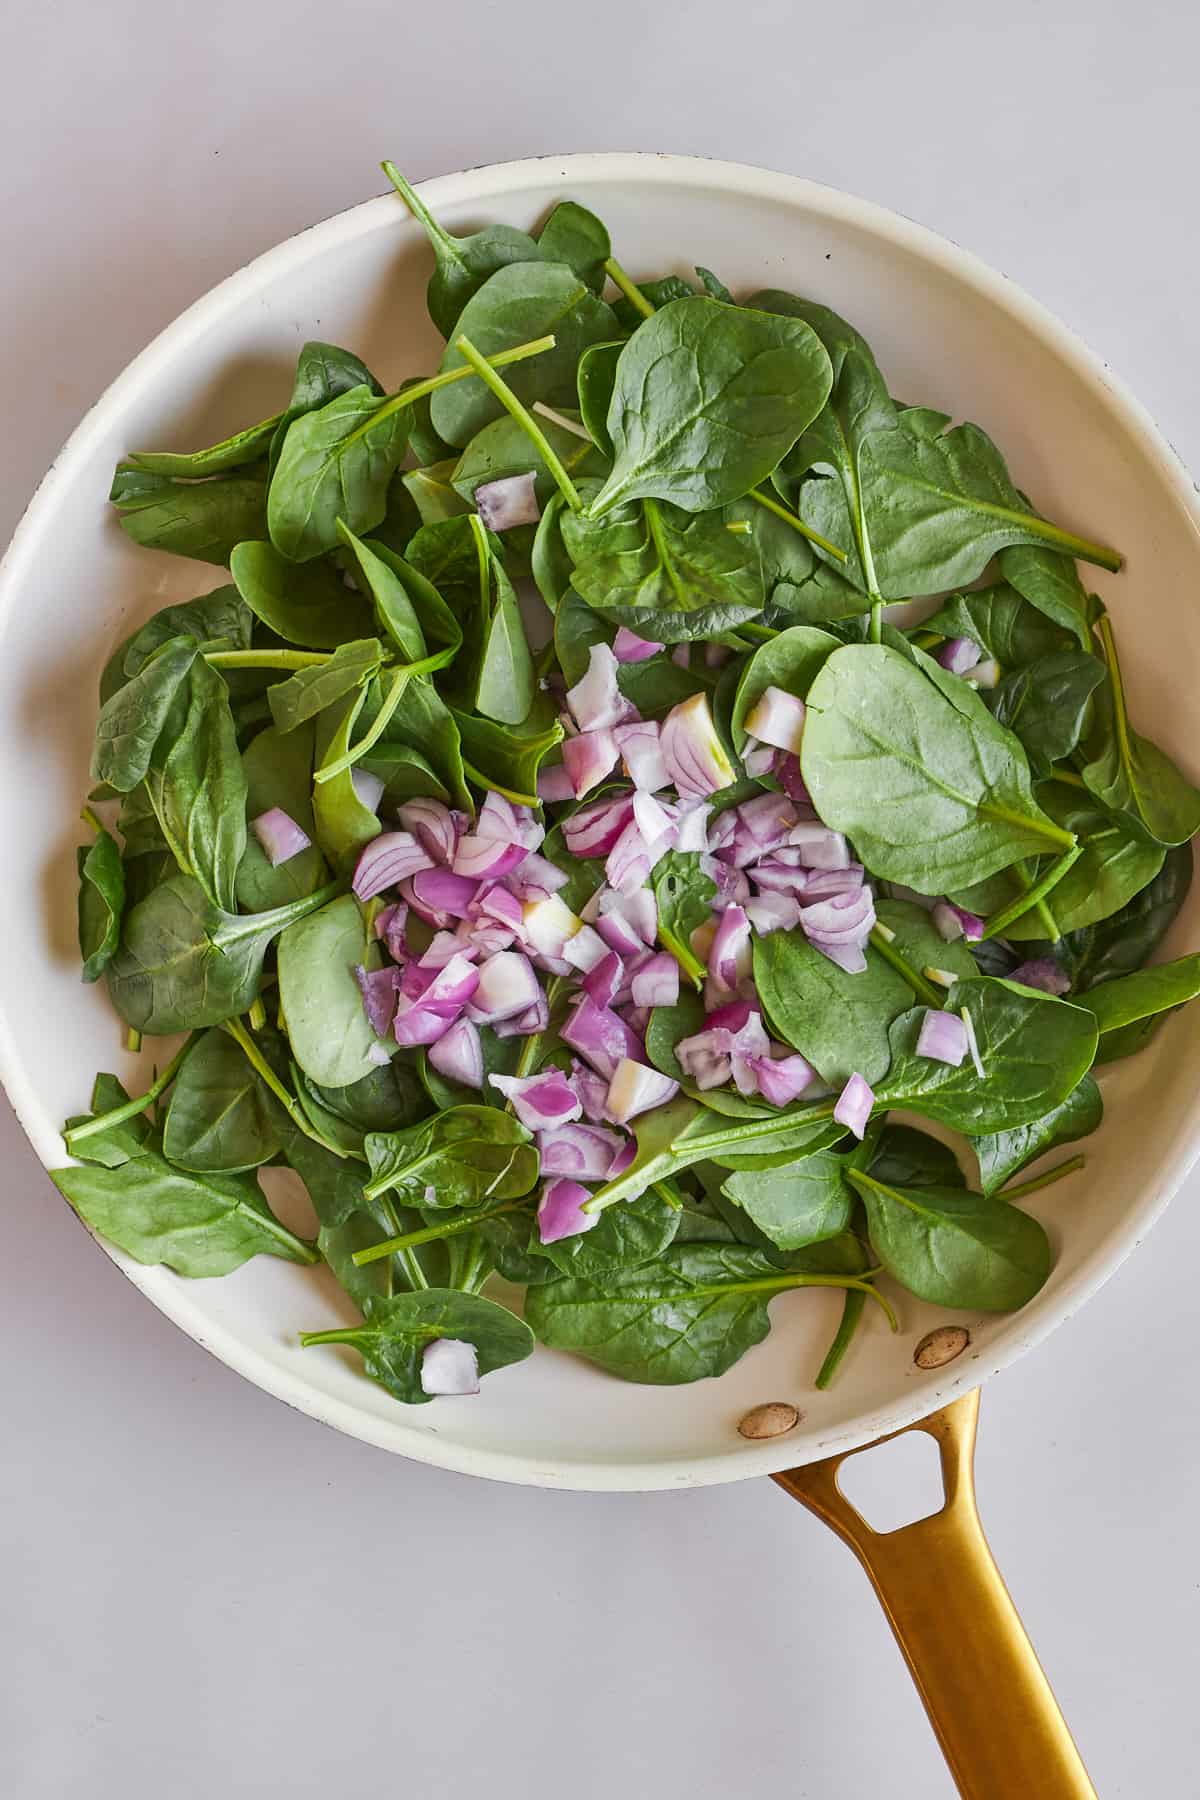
721,830
280,836
625,1155
656,983
445,990
841,922
788,774
440,893
767,819
958,654
368,788
775,876
653,819
602,982
535,1018
640,909
501,818
540,1100
783,1079
850,957
560,1211
507,986
747,1047
536,877
628,647
601,1035
691,825
592,1090
773,912
629,862
821,847
729,958
584,1151
777,718
594,829
619,934
449,1366
486,937
956,922
498,903
733,885
510,501
641,751
555,784
1044,973
705,1059
415,1023
854,1105
596,701
730,1017
589,758
825,884
387,860
759,763
585,949
636,1088
458,1056
444,945
486,858
984,674
693,751
390,928
681,656
547,924
434,826
378,988
942,1038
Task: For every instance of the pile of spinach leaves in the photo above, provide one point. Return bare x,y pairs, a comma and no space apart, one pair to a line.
707,471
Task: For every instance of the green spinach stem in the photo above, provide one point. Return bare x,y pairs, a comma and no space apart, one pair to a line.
419,389
853,1308
1044,1180
131,1108
267,659
524,419
371,737
432,1234
796,522
629,288
921,987
1016,909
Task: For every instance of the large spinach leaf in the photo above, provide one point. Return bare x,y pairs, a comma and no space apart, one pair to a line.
202,519
306,603
461,1157
330,1036
1124,941
220,1119
802,1203
462,264
336,463
953,1247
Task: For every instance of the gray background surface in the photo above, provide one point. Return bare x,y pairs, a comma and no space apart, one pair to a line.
206,1594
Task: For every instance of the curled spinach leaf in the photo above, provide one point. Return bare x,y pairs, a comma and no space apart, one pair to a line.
101,902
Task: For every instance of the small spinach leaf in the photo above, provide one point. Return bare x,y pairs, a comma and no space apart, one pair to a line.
101,902
330,1036
802,1203
1004,1154
219,1120
396,1332
461,1157
307,604
202,519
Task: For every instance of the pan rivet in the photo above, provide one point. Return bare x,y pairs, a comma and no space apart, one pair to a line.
941,1346
771,1419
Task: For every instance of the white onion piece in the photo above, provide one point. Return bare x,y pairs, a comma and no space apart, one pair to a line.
280,836
759,762
854,1105
691,825
368,788
693,751
639,908
984,674
777,718
641,751
449,1366
635,1088
773,912
942,1038
596,701
656,982
547,924
510,501
585,949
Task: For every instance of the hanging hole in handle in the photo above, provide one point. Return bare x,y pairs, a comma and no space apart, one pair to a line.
895,1484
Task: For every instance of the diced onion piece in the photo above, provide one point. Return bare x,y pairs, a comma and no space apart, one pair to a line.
854,1105
585,1152
449,1366
984,674
459,1055
585,949
783,1079
434,826
535,1018
387,860
536,877
942,1038
555,784
656,983
693,751
958,654
821,848
368,788
510,501
773,912
628,647
1044,973
729,958
594,829
596,701
560,1211
508,985
705,1058
588,758
954,922
540,1100
973,1043
601,1036
635,1089
603,981
440,892
547,924
641,751
280,836
486,858
501,818
759,763
777,718
378,988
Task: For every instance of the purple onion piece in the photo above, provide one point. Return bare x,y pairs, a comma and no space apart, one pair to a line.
854,1105
656,982
628,647
554,784
635,1088
378,988
588,759
593,830
1045,974
601,1036
280,836
507,502
458,1056
942,1038
956,922
560,1211
585,1152
433,825
596,701
386,861
508,985
693,751
540,1100
958,654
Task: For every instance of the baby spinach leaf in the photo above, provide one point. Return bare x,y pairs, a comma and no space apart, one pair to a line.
220,1119
503,449
334,1185
1118,861
955,1248
118,1143
336,463
202,519
309,691
184,963
424,723
800,1204
462,264
396,1332
508,757
1123,942
685,895
364,1227
1004,625
505,685
196,1224
323,371
1003,1154
575,236
1128,773
132,719
278,768
461,1157
317,956
387,1099
1048,704
197,786
307,603
241,447
686,1314
907,1158
668,1026
932,791
625,1237
514,306
659,291
939,509
1050,582
1130,998
220,620
917,944
433,492
595,379
408,607
707,399
790,661
665,573
101,902
405,774
838,1021
1034,1051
